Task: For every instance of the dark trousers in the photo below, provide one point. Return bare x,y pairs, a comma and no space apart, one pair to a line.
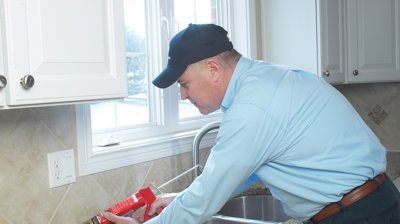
380,207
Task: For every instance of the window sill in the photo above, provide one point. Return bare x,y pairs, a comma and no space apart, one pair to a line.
128,153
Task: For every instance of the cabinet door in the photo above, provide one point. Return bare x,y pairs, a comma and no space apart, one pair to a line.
73,49
332,40
290,37
2,98
373,40
3,79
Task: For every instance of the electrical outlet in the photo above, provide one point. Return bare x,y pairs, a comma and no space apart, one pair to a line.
61,166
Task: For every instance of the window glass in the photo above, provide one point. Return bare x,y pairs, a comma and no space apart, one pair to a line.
134,109
186,12
150,123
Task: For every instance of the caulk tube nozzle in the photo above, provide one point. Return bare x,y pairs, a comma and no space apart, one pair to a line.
93,220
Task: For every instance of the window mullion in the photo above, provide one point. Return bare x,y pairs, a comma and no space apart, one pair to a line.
170,101
171,106
155,61
165,129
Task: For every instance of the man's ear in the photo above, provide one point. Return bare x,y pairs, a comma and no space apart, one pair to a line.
215,69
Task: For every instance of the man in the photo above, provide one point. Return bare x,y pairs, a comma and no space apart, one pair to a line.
287,128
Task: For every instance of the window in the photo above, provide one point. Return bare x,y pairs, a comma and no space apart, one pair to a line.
149,123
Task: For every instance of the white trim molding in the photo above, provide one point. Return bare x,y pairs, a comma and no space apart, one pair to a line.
128,153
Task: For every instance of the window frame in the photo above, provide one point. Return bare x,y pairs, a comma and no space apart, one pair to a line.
165,139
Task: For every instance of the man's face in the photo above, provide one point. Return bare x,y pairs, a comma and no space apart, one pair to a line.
198,86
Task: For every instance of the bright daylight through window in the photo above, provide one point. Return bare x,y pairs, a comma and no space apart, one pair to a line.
135,109
148,117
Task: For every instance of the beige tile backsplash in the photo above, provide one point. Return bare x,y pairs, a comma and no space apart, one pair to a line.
27,135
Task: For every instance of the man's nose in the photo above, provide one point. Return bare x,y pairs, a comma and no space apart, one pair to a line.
184,95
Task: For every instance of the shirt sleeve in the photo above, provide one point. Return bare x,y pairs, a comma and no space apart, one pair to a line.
252,180
241,147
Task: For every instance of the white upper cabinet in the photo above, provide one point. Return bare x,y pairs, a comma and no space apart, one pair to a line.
289,34
3,79
2,96
331,44
63,51
3,83
343,41
373,40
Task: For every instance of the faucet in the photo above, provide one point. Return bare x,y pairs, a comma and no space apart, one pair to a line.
196,145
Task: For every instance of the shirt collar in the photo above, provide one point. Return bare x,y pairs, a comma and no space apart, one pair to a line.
242,65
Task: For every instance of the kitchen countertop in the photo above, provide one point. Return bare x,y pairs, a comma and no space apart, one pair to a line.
393,164
397,183
260,189
392,170
257,189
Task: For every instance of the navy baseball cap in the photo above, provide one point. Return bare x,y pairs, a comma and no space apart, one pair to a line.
193,44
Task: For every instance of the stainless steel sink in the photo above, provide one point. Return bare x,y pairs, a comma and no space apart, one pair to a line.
220,219
255,209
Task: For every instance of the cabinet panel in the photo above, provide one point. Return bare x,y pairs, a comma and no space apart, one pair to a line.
74,50
332,40
290,37
3,79
373,40
2,98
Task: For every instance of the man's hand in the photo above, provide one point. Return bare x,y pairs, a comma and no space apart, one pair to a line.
161,202
119,219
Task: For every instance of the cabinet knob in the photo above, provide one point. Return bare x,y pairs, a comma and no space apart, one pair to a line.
3,82
27,81
355,72
326,73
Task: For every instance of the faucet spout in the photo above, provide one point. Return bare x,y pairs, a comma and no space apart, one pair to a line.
196,145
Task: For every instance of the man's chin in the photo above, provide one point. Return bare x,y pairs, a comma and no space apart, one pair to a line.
203,112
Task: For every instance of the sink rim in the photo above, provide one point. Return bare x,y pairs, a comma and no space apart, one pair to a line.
260,207
241,220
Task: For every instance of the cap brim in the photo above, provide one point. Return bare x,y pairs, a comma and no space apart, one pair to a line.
167,77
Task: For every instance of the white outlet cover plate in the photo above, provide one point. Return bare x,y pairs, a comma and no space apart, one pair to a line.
61,166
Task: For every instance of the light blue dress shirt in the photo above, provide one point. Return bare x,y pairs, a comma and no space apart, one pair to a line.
291,130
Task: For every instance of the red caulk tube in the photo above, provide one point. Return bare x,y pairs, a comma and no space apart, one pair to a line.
144,197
